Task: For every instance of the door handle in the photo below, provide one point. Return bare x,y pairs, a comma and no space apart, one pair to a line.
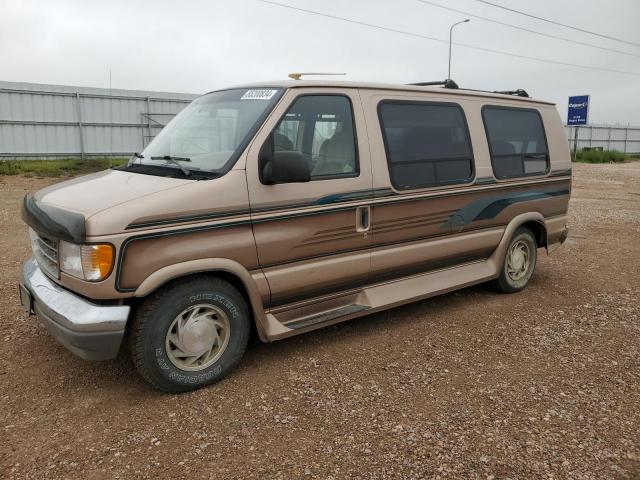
363,219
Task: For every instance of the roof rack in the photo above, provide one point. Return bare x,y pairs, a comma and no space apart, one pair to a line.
518,93
448,83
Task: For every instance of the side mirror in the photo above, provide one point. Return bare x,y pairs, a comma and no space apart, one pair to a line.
285,167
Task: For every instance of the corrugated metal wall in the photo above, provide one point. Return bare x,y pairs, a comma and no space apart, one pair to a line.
48,121
61,121
607,137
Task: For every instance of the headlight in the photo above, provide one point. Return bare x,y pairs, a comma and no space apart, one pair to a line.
89,262
70,258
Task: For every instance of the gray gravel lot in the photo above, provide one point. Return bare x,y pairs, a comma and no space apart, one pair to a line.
540,384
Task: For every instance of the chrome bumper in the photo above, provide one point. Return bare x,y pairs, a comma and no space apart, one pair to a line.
93,332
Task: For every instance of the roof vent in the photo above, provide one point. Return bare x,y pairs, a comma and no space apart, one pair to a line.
296,76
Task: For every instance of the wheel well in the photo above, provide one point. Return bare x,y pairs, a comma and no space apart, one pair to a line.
229,277
539,232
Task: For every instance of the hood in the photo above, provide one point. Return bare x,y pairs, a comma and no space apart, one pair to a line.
63,210
115,201
93,193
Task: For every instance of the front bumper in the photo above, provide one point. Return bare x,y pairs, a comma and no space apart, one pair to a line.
93,332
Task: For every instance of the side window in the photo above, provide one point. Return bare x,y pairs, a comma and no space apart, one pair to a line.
427,144
320,127
285,136
517,142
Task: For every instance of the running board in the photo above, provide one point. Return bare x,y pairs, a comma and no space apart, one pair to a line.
385,295
326,316
311,315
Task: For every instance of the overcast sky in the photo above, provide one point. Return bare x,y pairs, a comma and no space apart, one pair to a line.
196,46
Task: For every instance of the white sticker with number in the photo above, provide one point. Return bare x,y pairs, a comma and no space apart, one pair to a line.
262,94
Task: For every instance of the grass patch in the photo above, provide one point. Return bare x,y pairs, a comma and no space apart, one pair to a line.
57,168
602,156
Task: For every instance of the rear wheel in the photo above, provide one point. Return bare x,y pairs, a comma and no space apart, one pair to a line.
519,262
190,334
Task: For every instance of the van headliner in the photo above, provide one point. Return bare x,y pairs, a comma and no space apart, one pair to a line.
386,86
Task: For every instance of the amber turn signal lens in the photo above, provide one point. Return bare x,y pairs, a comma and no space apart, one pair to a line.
97,261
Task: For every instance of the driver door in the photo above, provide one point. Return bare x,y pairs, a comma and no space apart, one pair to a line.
313,238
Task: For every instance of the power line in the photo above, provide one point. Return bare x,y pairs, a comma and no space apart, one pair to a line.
434,39
556,37
558,23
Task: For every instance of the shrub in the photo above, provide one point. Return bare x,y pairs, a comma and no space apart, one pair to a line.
600,156
56,168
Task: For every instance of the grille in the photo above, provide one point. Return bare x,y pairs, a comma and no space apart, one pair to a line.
45,251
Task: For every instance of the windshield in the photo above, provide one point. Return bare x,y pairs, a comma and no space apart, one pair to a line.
210,133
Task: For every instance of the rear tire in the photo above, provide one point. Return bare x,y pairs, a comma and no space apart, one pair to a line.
519,262
189,334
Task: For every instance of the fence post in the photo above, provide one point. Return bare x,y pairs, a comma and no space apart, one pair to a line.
148,120
141,131
80,130
626,137
609,138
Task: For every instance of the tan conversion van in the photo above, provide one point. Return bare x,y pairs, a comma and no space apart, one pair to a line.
292,206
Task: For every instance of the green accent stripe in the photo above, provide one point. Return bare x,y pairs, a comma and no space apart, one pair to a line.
230,224
330,200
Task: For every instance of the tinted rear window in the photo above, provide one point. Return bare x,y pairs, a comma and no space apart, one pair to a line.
427,144
517,142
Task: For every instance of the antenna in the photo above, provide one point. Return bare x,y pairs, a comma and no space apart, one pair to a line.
296,76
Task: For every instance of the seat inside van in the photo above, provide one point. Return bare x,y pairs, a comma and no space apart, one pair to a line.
505,158
336,155
449,160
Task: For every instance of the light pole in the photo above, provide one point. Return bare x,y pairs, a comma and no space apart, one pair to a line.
450,34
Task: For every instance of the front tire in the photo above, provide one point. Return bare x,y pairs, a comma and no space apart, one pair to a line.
519,262
190,334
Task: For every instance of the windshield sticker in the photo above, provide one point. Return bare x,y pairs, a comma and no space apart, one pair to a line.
258,94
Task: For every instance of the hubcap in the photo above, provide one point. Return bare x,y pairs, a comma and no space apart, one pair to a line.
197,337
518,260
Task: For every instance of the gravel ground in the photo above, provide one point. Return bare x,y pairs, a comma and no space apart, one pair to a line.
540,384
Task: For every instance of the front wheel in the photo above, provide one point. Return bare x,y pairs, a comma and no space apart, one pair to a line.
190,334
519,262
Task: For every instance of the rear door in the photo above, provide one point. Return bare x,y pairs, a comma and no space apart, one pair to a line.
424,157
312,238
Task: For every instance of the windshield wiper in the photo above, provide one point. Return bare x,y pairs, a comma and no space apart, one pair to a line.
133,158
175,161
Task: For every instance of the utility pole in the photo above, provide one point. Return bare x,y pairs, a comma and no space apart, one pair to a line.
450,35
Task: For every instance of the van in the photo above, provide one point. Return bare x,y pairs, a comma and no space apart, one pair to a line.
285,207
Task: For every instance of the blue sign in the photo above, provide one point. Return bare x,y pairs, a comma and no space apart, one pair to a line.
578,110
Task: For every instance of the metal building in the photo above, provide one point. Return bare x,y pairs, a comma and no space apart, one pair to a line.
49,121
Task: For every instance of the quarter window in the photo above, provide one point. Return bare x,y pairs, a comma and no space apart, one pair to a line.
320,127
427,144
517,142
